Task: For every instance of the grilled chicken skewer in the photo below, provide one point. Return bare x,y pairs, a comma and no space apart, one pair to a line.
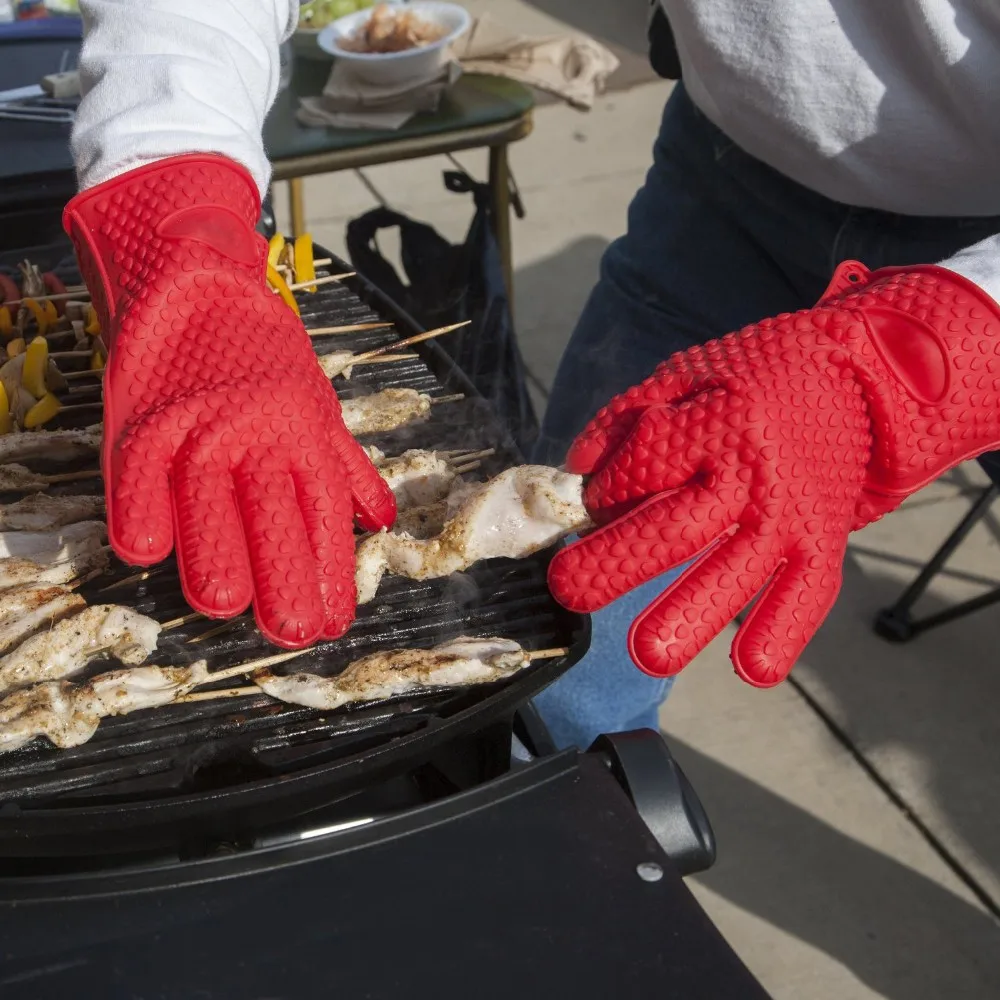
81,556
28,608
519,512
60,445
66,648
39,512
386,674
17,478
389,409
49,546
68,714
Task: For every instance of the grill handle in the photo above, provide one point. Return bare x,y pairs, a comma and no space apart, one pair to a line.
643,765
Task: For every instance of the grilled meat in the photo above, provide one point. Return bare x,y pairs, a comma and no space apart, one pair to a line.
68,714
385,410
394,672
49,546
519,512
81,552
66,648
30,607
59,445
39,512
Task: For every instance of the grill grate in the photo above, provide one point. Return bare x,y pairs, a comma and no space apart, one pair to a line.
206,761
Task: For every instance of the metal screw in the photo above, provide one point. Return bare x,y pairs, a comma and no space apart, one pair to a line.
649,871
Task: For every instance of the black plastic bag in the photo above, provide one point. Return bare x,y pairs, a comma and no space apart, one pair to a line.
449,284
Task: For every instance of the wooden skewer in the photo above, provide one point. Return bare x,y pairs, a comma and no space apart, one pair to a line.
76,407
472,456
454,398
415,339
322,331
71,294
246,692
134,578
69,477
243,692
322,262
246,668
71,354
547,654
460,470
213,632
328,279
178,622
87,373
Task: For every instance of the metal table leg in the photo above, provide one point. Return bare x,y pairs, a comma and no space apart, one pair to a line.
296,205
500,192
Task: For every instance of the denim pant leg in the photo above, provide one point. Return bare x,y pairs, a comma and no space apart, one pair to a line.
688,269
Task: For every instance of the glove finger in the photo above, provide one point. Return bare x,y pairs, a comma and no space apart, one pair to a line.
658,535
609,427
211,552
287,601
656,457
374,503
137,494
784,620
688,615
324,498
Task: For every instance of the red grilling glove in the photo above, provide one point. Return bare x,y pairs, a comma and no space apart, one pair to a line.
221,433
764,449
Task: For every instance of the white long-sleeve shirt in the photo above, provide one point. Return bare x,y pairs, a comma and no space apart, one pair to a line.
888,104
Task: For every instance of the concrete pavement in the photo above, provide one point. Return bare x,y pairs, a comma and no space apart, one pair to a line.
856,807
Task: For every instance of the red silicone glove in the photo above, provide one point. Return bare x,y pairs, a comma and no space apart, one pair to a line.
221,433
762,450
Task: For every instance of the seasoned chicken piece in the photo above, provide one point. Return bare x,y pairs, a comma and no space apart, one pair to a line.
417,477
385,410
59,445
68,714
337,363
26,609
39,512
519,512
50,546
66,648
393,672
78,562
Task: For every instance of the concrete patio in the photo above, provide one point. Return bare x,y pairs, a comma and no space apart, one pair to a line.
857,807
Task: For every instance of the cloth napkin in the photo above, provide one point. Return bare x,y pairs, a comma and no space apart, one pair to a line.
573,67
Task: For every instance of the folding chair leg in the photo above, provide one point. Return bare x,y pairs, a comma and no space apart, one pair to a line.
896,624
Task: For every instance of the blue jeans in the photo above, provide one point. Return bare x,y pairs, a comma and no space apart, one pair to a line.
715,240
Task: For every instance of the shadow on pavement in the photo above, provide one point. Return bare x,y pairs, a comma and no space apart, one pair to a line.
619,24
896,930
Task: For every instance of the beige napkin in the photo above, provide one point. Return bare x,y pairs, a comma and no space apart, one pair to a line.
347,102
573,67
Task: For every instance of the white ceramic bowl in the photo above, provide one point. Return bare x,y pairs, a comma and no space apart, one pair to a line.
390,68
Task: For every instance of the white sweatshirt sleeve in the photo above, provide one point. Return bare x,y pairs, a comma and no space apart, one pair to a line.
979,263
164,77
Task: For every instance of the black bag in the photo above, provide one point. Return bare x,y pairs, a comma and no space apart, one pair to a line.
663,55
449,284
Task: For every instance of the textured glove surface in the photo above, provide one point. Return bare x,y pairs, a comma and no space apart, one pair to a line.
763,450
222,436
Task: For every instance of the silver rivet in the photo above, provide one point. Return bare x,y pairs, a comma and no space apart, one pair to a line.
649,871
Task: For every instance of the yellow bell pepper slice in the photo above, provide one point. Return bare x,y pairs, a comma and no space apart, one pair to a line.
305,269
36,360
274,247
93,327
97,361
15,347
277,282
6,323
41,318
42,412
6,423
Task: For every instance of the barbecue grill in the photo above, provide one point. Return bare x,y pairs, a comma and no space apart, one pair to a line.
245,849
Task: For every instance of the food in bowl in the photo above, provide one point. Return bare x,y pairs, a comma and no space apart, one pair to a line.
320,13
390,29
